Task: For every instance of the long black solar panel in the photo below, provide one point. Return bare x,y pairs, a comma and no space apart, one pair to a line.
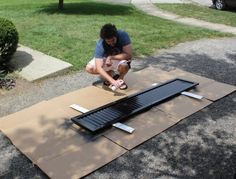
104,116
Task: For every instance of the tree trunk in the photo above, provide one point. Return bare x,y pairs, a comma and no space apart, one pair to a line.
61,4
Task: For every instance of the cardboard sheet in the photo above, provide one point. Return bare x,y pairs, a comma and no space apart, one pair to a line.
146,125
83,160
182,106
156,120
154,75
46,135
44,132
215,90
23,116
208,88
89,97
161,76
163,116
136,82
203,81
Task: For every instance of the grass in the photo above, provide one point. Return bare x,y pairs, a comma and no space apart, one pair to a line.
71,34
200,12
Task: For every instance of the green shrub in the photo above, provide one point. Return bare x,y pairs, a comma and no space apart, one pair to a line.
8,40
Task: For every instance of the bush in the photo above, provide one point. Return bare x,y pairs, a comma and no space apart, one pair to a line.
8,40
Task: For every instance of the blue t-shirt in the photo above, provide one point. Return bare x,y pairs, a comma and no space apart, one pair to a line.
104,50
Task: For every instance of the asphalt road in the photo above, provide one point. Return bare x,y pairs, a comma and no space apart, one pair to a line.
200,146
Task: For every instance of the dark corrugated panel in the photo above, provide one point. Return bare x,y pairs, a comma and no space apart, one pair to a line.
111,113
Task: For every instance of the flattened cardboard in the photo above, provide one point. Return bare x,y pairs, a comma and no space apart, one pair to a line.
159,76
23,116
146,125
62,145
82,161
215,90
203,81
182,106
136,82
47,133
48,137
154,75
48,125
49,129
178,108
162,76
208,88
90,98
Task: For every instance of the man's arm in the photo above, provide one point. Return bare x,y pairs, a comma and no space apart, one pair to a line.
125,55
103,73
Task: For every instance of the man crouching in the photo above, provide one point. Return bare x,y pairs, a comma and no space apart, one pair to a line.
113,53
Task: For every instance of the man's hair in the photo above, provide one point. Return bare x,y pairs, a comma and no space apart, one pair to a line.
108,31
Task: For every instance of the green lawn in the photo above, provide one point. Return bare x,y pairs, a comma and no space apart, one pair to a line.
71,34
200,12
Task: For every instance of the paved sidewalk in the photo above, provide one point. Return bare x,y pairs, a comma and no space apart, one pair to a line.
33,65
142,1
170,1
151,9
203,2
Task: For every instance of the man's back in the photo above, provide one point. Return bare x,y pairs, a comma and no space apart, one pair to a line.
104,50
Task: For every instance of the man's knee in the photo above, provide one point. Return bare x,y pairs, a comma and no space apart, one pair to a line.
90,69
123,68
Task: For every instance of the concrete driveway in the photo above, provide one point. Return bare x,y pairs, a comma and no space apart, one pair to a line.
200,146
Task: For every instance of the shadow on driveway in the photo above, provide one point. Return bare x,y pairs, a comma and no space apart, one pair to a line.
220,69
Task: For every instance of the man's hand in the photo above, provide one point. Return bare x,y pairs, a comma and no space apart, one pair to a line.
108,61
117,83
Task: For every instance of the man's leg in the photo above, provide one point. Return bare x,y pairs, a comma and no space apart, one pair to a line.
91,69
107,83
123,68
